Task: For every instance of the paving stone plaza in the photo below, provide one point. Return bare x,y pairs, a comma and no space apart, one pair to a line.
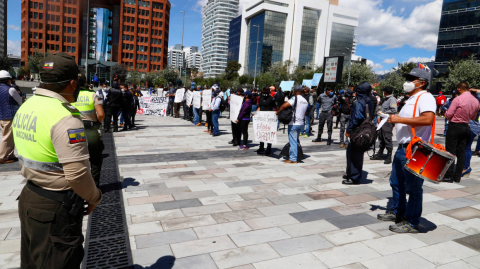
193,197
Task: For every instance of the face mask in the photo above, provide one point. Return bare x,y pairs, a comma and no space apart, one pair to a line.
123,90
408,86
75,93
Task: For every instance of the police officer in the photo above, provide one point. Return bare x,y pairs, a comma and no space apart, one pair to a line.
326,100
91,110
385,134
113,104
52,148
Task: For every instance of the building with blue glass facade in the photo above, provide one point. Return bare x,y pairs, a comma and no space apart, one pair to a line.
459,33
234,39
300,31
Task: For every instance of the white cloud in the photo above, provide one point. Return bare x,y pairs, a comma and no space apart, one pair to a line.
14,27
14,47
374,65
381,27
389,61
420,59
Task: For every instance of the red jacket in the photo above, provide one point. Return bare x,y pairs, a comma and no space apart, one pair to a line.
441,99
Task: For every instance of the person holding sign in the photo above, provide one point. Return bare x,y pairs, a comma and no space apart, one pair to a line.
233,115
265,103
244,119
215,110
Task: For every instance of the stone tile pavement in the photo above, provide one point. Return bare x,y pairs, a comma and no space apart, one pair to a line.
194,197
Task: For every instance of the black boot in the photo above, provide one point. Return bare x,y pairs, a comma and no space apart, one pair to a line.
378,155
388,160
319,139
329,141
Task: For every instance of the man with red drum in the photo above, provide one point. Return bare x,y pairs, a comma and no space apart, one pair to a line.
407,214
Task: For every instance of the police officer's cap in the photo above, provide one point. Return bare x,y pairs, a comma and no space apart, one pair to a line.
388,90
58,68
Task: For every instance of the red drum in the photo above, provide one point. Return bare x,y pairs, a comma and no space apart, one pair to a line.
429,162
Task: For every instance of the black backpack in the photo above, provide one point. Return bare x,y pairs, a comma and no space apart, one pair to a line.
364,136
279,99
285,116
223,105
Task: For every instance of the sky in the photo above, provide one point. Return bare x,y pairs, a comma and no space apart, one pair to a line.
389,32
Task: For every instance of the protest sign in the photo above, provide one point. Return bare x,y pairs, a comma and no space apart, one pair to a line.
179,95
235,106
265,126
197,99
207,99
189,98
153,106
145,93
160,92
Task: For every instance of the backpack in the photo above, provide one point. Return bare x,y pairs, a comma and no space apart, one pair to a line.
223,105
279,99
285,116
364,136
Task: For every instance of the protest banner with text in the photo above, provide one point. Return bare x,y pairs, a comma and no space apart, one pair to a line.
265,126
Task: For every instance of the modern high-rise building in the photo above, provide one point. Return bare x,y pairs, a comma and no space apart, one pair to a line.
137,31
176,57
216,18
301,31
235,32
459,33
193,57
3,27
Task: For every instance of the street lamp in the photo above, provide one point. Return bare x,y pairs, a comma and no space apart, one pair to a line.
183,53
349,66
256,55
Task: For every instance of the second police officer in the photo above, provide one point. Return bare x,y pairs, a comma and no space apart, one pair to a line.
91,111
385,134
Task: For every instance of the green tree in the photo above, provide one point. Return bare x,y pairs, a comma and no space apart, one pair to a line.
169,74
406,67
5,63
231,72
244,80
120,70
149,79
358,74
279,71
23,71
264,80
134,78
35,60
467,70
393,79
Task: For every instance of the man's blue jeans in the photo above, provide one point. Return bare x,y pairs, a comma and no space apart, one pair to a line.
254,108
196,117
215,115
403,182
468,151
446,127
317,109
293,135
307,125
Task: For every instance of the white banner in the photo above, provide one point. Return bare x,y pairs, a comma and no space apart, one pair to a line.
235,106
189,97
156,106
197,99
145,93
265,126
179,95
207,99
160,92
331,65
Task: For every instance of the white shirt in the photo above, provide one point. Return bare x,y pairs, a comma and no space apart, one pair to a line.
426,103
302,106
216,103
14,94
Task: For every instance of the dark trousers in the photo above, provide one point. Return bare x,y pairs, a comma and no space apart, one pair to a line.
50,237
190,113
177,109
354,164
209,120
200,114
236,133
185,110
170,108
345,119
385,137
132,117
312,119
111,111
458,135
126,118
325,116
95,149
244,131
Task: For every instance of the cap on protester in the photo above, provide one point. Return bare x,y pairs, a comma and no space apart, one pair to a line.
248,93
298,87
388,90
217,92
417,73
58,68
342,91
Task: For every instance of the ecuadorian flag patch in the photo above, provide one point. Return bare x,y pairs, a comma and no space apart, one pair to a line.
48,66
77,136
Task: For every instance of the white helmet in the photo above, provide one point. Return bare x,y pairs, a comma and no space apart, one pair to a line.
4,75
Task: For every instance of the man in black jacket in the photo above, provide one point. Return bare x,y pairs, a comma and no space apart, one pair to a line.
345,109
135,107
113,104
127,106
358,116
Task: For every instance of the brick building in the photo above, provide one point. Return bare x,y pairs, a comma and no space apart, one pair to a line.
138,30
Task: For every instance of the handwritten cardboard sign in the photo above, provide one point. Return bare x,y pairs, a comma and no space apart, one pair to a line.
265,127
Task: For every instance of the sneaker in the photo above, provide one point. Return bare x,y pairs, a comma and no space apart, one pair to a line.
245,148
306,136
406,228
388,216
241,147
396,225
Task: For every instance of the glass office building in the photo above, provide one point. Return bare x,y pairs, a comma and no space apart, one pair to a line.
459,33
266,37
235,33
308,40
342,37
